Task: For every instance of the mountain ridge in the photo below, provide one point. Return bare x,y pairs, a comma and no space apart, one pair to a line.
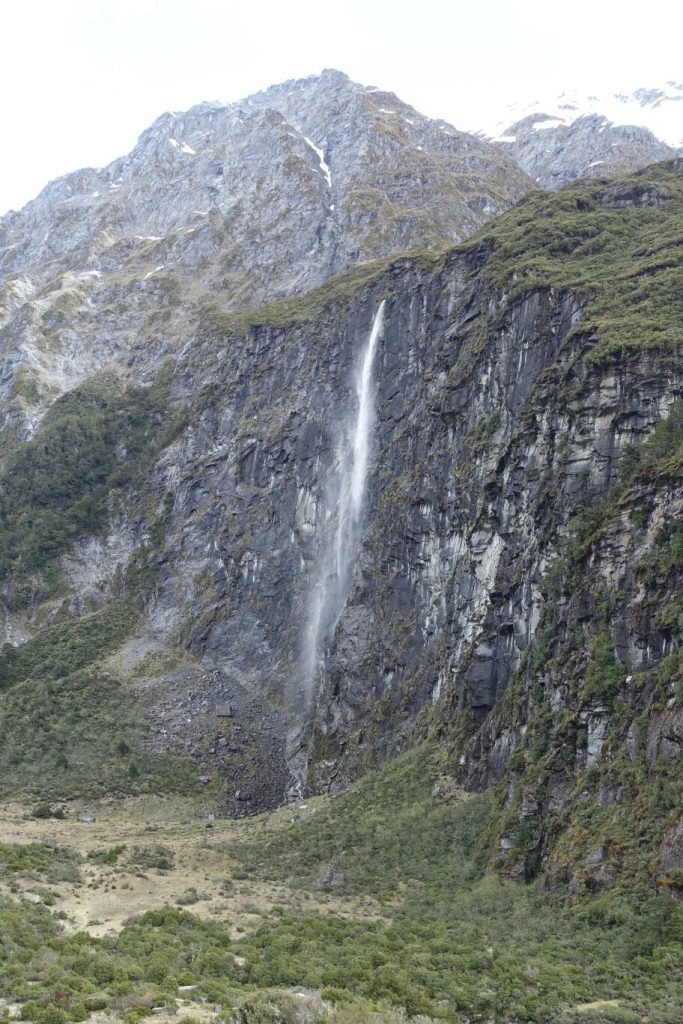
575,136
659,108
238,209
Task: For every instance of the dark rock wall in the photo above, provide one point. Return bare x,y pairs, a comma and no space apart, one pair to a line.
492,428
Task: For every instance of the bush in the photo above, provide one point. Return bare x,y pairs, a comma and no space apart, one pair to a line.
46,811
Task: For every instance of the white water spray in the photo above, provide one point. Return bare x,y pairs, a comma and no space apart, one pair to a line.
342,515
339,534
355,465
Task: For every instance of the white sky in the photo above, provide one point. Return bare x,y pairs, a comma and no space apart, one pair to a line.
80,79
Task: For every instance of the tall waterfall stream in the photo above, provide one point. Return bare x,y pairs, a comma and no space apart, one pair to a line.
341,523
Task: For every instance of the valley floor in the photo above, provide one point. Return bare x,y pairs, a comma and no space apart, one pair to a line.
166,855
370,906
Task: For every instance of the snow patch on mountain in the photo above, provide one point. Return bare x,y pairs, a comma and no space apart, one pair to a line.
321,157
660,109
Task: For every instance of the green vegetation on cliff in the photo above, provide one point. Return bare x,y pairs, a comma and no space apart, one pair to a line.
617,245
54,489
619,788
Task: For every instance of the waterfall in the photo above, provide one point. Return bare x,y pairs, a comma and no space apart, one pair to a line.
342,513
339,533
355,463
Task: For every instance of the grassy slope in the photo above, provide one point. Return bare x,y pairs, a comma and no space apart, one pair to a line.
54,489
68,728
626,263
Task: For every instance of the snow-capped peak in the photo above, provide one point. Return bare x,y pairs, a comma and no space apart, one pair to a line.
659,108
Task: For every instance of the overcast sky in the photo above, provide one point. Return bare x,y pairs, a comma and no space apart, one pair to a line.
82,78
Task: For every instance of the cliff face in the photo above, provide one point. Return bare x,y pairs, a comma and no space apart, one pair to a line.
509,587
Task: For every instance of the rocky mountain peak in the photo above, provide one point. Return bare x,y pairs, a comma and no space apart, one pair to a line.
572,135
232,205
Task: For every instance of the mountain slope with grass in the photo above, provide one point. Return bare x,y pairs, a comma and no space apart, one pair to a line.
364,907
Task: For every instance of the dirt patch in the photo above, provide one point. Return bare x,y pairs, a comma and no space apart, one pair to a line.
599,1004
146,852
